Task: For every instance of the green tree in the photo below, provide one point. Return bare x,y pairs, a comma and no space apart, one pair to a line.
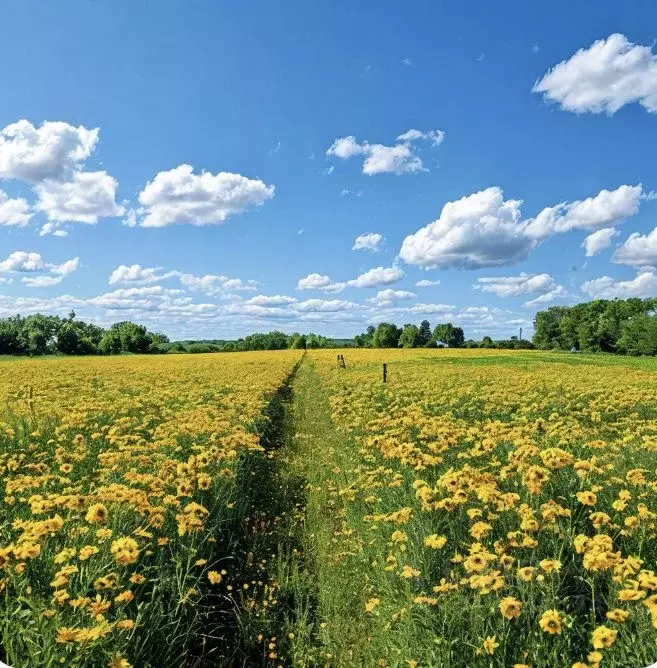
424,334
365,340
410,337
447,333
11,341
317,341
298,341
639,336
386,335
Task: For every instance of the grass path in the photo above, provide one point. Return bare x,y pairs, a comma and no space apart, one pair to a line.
313,614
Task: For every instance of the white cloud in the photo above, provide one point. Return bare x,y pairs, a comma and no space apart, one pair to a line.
51,158
425,283
324,305
135,273
609,74
212,284
85,198
56,150
41,281
316,281
400,158
377,276
369,279
180,196
14,212
638,250
604,209
558,292
389,296
45,273
370,241
431,309
597,241
436,137
480,230
515,286
209,284
65,268
271,300
345,147
485,230
22,261
644,284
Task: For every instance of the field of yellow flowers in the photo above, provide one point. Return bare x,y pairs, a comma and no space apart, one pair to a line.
120,495
483,508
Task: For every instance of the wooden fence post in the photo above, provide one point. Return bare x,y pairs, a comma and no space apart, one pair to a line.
385,372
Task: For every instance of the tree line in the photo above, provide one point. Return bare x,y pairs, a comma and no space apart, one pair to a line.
388,335
40,334
624,326
274,340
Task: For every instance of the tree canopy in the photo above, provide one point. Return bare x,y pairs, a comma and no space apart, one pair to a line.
40,334
612,326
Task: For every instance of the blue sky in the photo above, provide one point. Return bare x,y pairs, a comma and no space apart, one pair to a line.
206,167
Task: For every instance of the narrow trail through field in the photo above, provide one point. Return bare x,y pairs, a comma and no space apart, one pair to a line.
289,532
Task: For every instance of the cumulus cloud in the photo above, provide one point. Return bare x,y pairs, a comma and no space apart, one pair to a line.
643,285
85,198
604,209
515,286
556,293
597,241
371,241
44,273
425,283
436,137
51,158
135,274
56,150
399,158
485,230
22,261
606,76
480,230
14,212
212,284
345,147
41,281
215,285
180,196
638,250
271,300
377,276
324,305
316,281
389,296
370,279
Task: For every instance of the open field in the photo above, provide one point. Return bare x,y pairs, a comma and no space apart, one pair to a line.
121,503
481,508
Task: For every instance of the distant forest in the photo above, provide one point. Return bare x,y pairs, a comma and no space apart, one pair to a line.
622,326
